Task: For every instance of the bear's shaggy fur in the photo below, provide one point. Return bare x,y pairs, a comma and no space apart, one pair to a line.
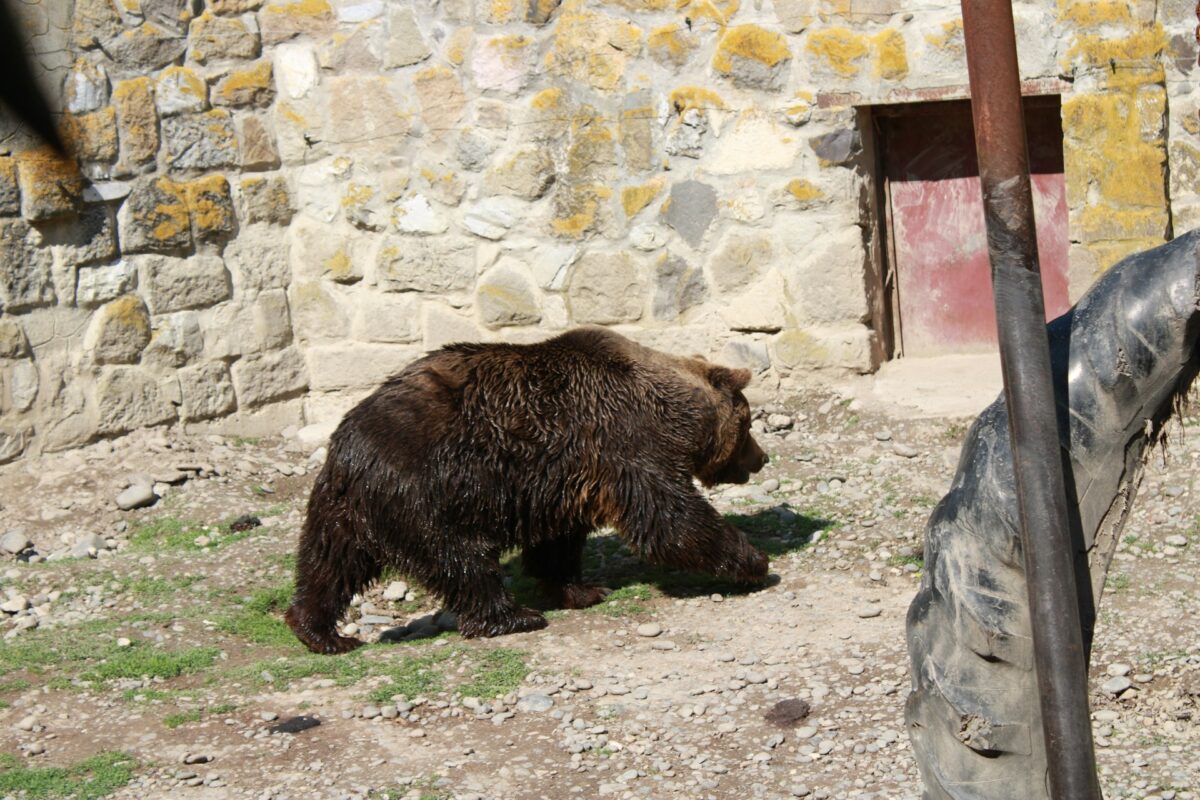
479,448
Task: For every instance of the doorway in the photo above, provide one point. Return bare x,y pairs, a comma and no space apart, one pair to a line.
938,273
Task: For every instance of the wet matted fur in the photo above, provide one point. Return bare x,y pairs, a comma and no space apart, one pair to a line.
479,448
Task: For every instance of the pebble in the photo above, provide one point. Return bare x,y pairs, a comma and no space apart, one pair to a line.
869,612
138,495
14,542
1116,686
1177,540
649,629
905,451
535,703
770,485
396,590
883,435
1117,670
663,644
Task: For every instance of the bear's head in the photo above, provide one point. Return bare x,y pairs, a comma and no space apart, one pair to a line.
732,455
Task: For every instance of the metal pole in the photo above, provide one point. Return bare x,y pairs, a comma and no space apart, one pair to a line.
1025,360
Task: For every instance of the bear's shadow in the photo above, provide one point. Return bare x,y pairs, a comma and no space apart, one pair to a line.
776,531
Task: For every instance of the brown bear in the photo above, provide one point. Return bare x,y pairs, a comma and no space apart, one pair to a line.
479,448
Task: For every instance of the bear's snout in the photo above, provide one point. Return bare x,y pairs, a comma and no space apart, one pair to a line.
753,458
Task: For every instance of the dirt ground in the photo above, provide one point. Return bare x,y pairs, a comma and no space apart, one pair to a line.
144,657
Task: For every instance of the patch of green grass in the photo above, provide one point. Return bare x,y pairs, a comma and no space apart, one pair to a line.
152,588
500,672
344,670
243,441
1119,582
923,500
181,718
625,602
140,661
149,695
901,561
97,777
411,676
220,709
258,620
40,649
166,532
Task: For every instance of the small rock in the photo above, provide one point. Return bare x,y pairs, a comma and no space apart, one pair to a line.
14,604
197,758
770,485
869,612
295,725
535,703
787,713
1177,540
124,642
138,495
369,712
649,629
1118,670
396,590
905,451
244,523
1116,686
15,542
883,436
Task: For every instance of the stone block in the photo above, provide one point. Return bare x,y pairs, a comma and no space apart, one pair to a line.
422,264
506,296
94,21
271,377
97,285
755,142
146,47
691,209
173,15
272,321
366,110
837,148
295,70
23,383
759,308
13,343
845,347
528,174
200,141
393,318
229,331
442,100
752,354
50,186
825,272
606,288
503,63
128,398
677,287
10,194
740,260
206,391
442,326
155,217
90,236
256,144
216,38
265,199
91,136
358,49
233,7
550,263
138,118
119,331
13,441
753,57
258,258
252,86
25,270
179,90
175,284
638,118
672,45
492,218
356,365
327,251
175,340
593,49
318,311
210,208
281,20
405,45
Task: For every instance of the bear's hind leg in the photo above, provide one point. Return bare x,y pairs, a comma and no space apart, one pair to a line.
330,569
472,586
557,564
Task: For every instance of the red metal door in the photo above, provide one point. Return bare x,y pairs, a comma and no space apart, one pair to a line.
938,240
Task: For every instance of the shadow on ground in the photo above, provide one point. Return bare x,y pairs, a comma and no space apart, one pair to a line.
607,561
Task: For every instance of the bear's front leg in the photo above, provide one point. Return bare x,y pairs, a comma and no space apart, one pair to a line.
472,586
673,524
557,564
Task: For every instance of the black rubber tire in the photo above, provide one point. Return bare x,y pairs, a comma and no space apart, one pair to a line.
1121,358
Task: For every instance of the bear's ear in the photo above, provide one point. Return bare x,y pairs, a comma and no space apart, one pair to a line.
733,380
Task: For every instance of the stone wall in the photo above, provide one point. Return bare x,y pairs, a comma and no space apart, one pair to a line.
279,202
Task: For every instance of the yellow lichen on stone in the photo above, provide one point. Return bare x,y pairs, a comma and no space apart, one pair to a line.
172,213
338,265
950,38
128,311
592,48
300,8
357,194
642,5
286,111
547,99
803,190
501,11
241,85
1114,55
1092,13
891,55
187,82
695,97
719,11
839,49
91,137
575,225
635,198
750,42
458,44
209,204
670,44
1108,152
